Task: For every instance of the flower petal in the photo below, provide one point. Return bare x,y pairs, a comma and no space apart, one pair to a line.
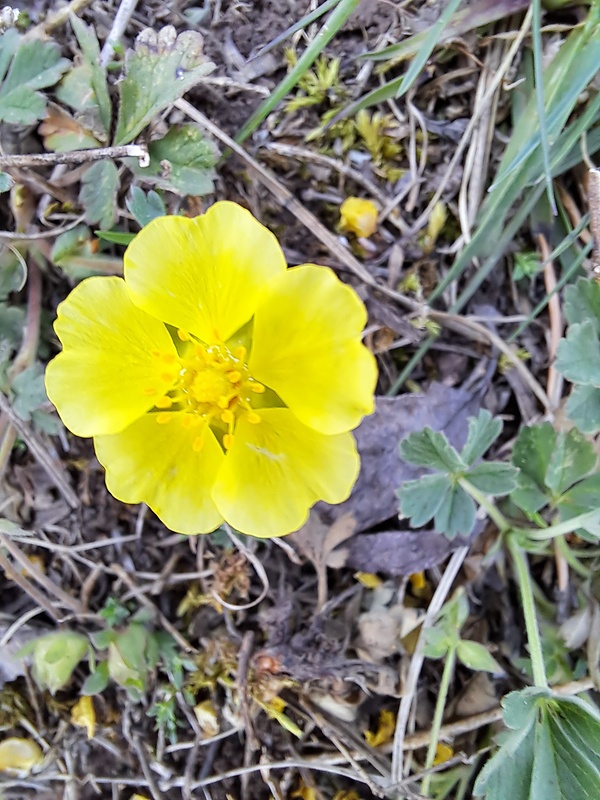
106,375
307,348
277,469
203,274
158,465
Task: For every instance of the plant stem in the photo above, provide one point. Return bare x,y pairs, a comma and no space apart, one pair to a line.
437,717
493,513
531,624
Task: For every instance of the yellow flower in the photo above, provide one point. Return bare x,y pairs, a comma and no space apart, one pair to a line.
217,383
359,216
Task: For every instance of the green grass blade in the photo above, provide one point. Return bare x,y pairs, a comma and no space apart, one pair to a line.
306,60
536,31
297,26
399,86
476,15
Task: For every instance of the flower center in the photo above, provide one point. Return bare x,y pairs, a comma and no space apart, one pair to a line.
213,385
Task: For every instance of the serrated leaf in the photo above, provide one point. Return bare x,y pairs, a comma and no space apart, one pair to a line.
181,162
428,448
436,643
421,499
30,392
552,754
90,49
35,65
98,194
581,498
161,68
145,207
528,496
483,432
62,133
582,302
578,354
583,408
477,657
573,458
493,477
456,514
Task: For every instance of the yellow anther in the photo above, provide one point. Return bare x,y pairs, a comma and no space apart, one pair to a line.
253,418
227,416
150,391
223,402
168,377
234,376
240,353
164,417
257,388
169,358
164,402
187,420
183,335
228,441
198,444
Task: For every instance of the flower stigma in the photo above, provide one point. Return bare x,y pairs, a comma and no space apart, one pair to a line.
213,386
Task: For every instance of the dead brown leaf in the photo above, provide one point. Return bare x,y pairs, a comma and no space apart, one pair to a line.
317,541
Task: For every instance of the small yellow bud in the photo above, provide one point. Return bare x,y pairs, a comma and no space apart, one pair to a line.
359,216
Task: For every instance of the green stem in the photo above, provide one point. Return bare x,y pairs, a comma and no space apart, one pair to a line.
438,715
531,623
568,526
492,511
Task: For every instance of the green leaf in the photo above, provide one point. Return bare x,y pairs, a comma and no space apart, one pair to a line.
533,450
456,514
483,432
55,657
578,355
420,500
30,392
90,49
181,162
583,407
116,237
145,207
584,496
552,752
160,70
97,681
477,657
437,643
98,194
493,477
428,448
582,302
35,65
572,459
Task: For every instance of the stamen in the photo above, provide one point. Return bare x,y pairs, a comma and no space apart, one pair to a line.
234,376
253,418
228,417
164,417
223,402
168,377
150,391
240,353
187,420
257,388
228,441
164,402
183,335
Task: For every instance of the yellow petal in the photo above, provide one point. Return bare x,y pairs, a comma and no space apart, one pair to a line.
386,727
443,753
359,216
277,469
160,465
83,715
307,348
203,275
106,375
19,755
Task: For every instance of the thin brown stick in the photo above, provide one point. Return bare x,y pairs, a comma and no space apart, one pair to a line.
59,17
39,452
76,156
20,580
17,554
